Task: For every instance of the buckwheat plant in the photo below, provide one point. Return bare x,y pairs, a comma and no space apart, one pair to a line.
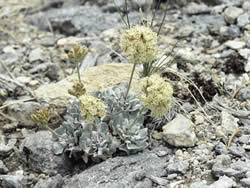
156,94
91,108
76,55
140,45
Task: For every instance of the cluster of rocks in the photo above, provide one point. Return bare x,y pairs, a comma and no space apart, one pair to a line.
188,149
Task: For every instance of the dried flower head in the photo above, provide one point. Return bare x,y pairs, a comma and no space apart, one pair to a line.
77,90
156,94
140,44
77,53
41,117
91,107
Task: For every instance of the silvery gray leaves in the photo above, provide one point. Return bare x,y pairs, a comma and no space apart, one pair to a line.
121,128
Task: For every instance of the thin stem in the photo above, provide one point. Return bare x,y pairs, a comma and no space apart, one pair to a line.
78,72
119,11
163,20
130,80
154,12
53,132
126,9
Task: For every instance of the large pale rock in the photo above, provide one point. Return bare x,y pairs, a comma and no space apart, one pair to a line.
94,79
179,132
232,13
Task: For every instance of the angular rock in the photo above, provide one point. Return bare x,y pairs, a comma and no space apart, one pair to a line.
245,181
232,13
12,181
179,132
228,124
220,148
245,53
37,152
243,20
54,182
178,167
88,20
236,45
36,54
243,94
22,112
3,168
237,151
195,8
94,79
198,185
128,171
223,182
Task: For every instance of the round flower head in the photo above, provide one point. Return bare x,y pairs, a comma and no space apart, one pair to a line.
91,107
156,94
77,53
140,44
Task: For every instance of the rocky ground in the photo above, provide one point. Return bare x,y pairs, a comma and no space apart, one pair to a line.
188,146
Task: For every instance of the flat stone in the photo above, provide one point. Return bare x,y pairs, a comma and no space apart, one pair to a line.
141,170
245,181
223,182
243,20
195,8
178,167
236,45
5,150
36,54
245,53
22,113
94,79
179,132
232,13
12,181
199,185
54,182
37,151
3,168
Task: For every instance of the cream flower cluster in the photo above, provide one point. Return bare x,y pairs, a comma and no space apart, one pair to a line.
140,44
91,107
156,94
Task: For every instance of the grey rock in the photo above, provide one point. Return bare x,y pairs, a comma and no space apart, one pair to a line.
243,94
248,174
12,181
234,31
232,13
237,151
179,132
36,54
185,31
247,65
221,163
198,185
37,152
247,39
245,53
8,59
178,167
223,182
195,8
54,182
3,168
244,139
243,20
5,150
234,44
129,171
22,112
246,5
245,181
88,20
220,148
